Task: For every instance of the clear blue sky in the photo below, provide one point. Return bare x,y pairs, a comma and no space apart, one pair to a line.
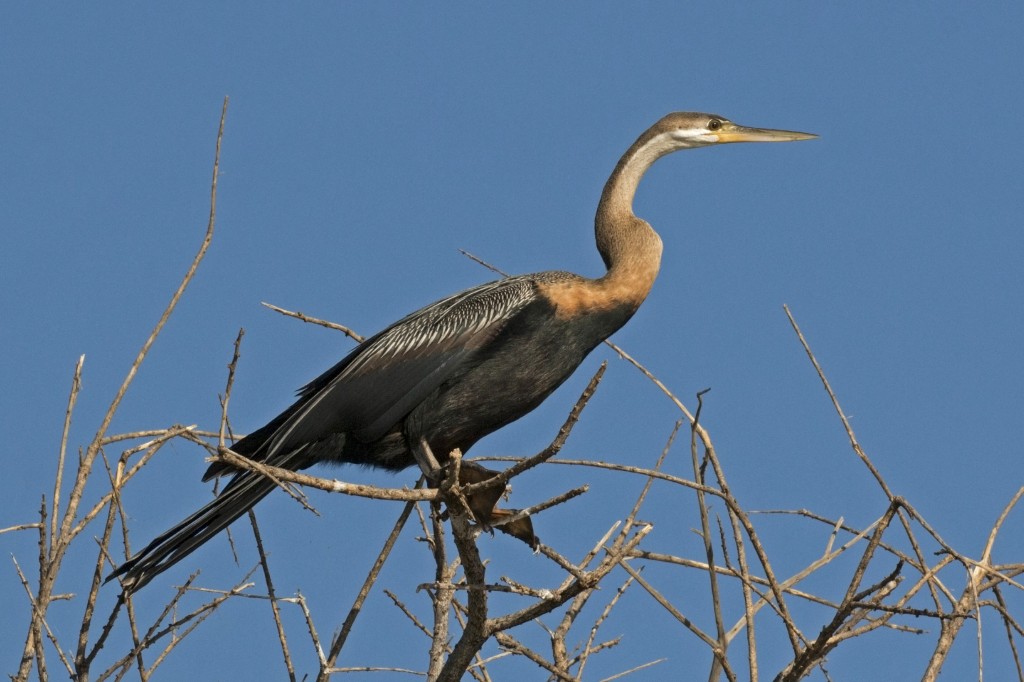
366,143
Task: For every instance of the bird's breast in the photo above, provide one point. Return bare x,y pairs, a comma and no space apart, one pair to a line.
531,357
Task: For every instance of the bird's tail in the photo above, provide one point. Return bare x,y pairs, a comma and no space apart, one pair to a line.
239,496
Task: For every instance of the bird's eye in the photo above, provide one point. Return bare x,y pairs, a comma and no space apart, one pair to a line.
714,124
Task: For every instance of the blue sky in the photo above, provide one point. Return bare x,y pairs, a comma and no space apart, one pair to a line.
366,144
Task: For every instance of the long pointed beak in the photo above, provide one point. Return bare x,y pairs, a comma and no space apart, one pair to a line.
730,132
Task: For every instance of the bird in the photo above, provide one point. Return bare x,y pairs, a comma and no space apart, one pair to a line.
459,369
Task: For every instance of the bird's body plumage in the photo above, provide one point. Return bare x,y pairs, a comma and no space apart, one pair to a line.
451,373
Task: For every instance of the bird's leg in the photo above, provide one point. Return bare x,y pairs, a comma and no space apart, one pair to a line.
456,473
428,463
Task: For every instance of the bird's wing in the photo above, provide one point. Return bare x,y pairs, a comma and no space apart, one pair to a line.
363,396
388,375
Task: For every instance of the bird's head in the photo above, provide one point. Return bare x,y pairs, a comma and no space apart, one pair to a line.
686,129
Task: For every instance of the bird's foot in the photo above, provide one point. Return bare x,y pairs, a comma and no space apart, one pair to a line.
483,505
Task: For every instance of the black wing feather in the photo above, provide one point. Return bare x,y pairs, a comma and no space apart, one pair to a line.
370,390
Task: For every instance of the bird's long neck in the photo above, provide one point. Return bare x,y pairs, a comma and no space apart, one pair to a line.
631,249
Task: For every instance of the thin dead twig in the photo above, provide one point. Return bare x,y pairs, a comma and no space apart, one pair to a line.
35,525
122,476
282,476
634,669
155,633
223,430
300,599
316,320
371,578
587,580
815,652
968,601
482,262
588,647
1010,625
405,610
532,510
671,608
986,554
45,625
58,482
282,638
84,659
510,643
835,403
720,649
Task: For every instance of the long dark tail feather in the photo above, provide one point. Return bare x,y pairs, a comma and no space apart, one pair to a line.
239,496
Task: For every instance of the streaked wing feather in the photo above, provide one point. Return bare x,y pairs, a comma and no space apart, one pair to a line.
383,379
